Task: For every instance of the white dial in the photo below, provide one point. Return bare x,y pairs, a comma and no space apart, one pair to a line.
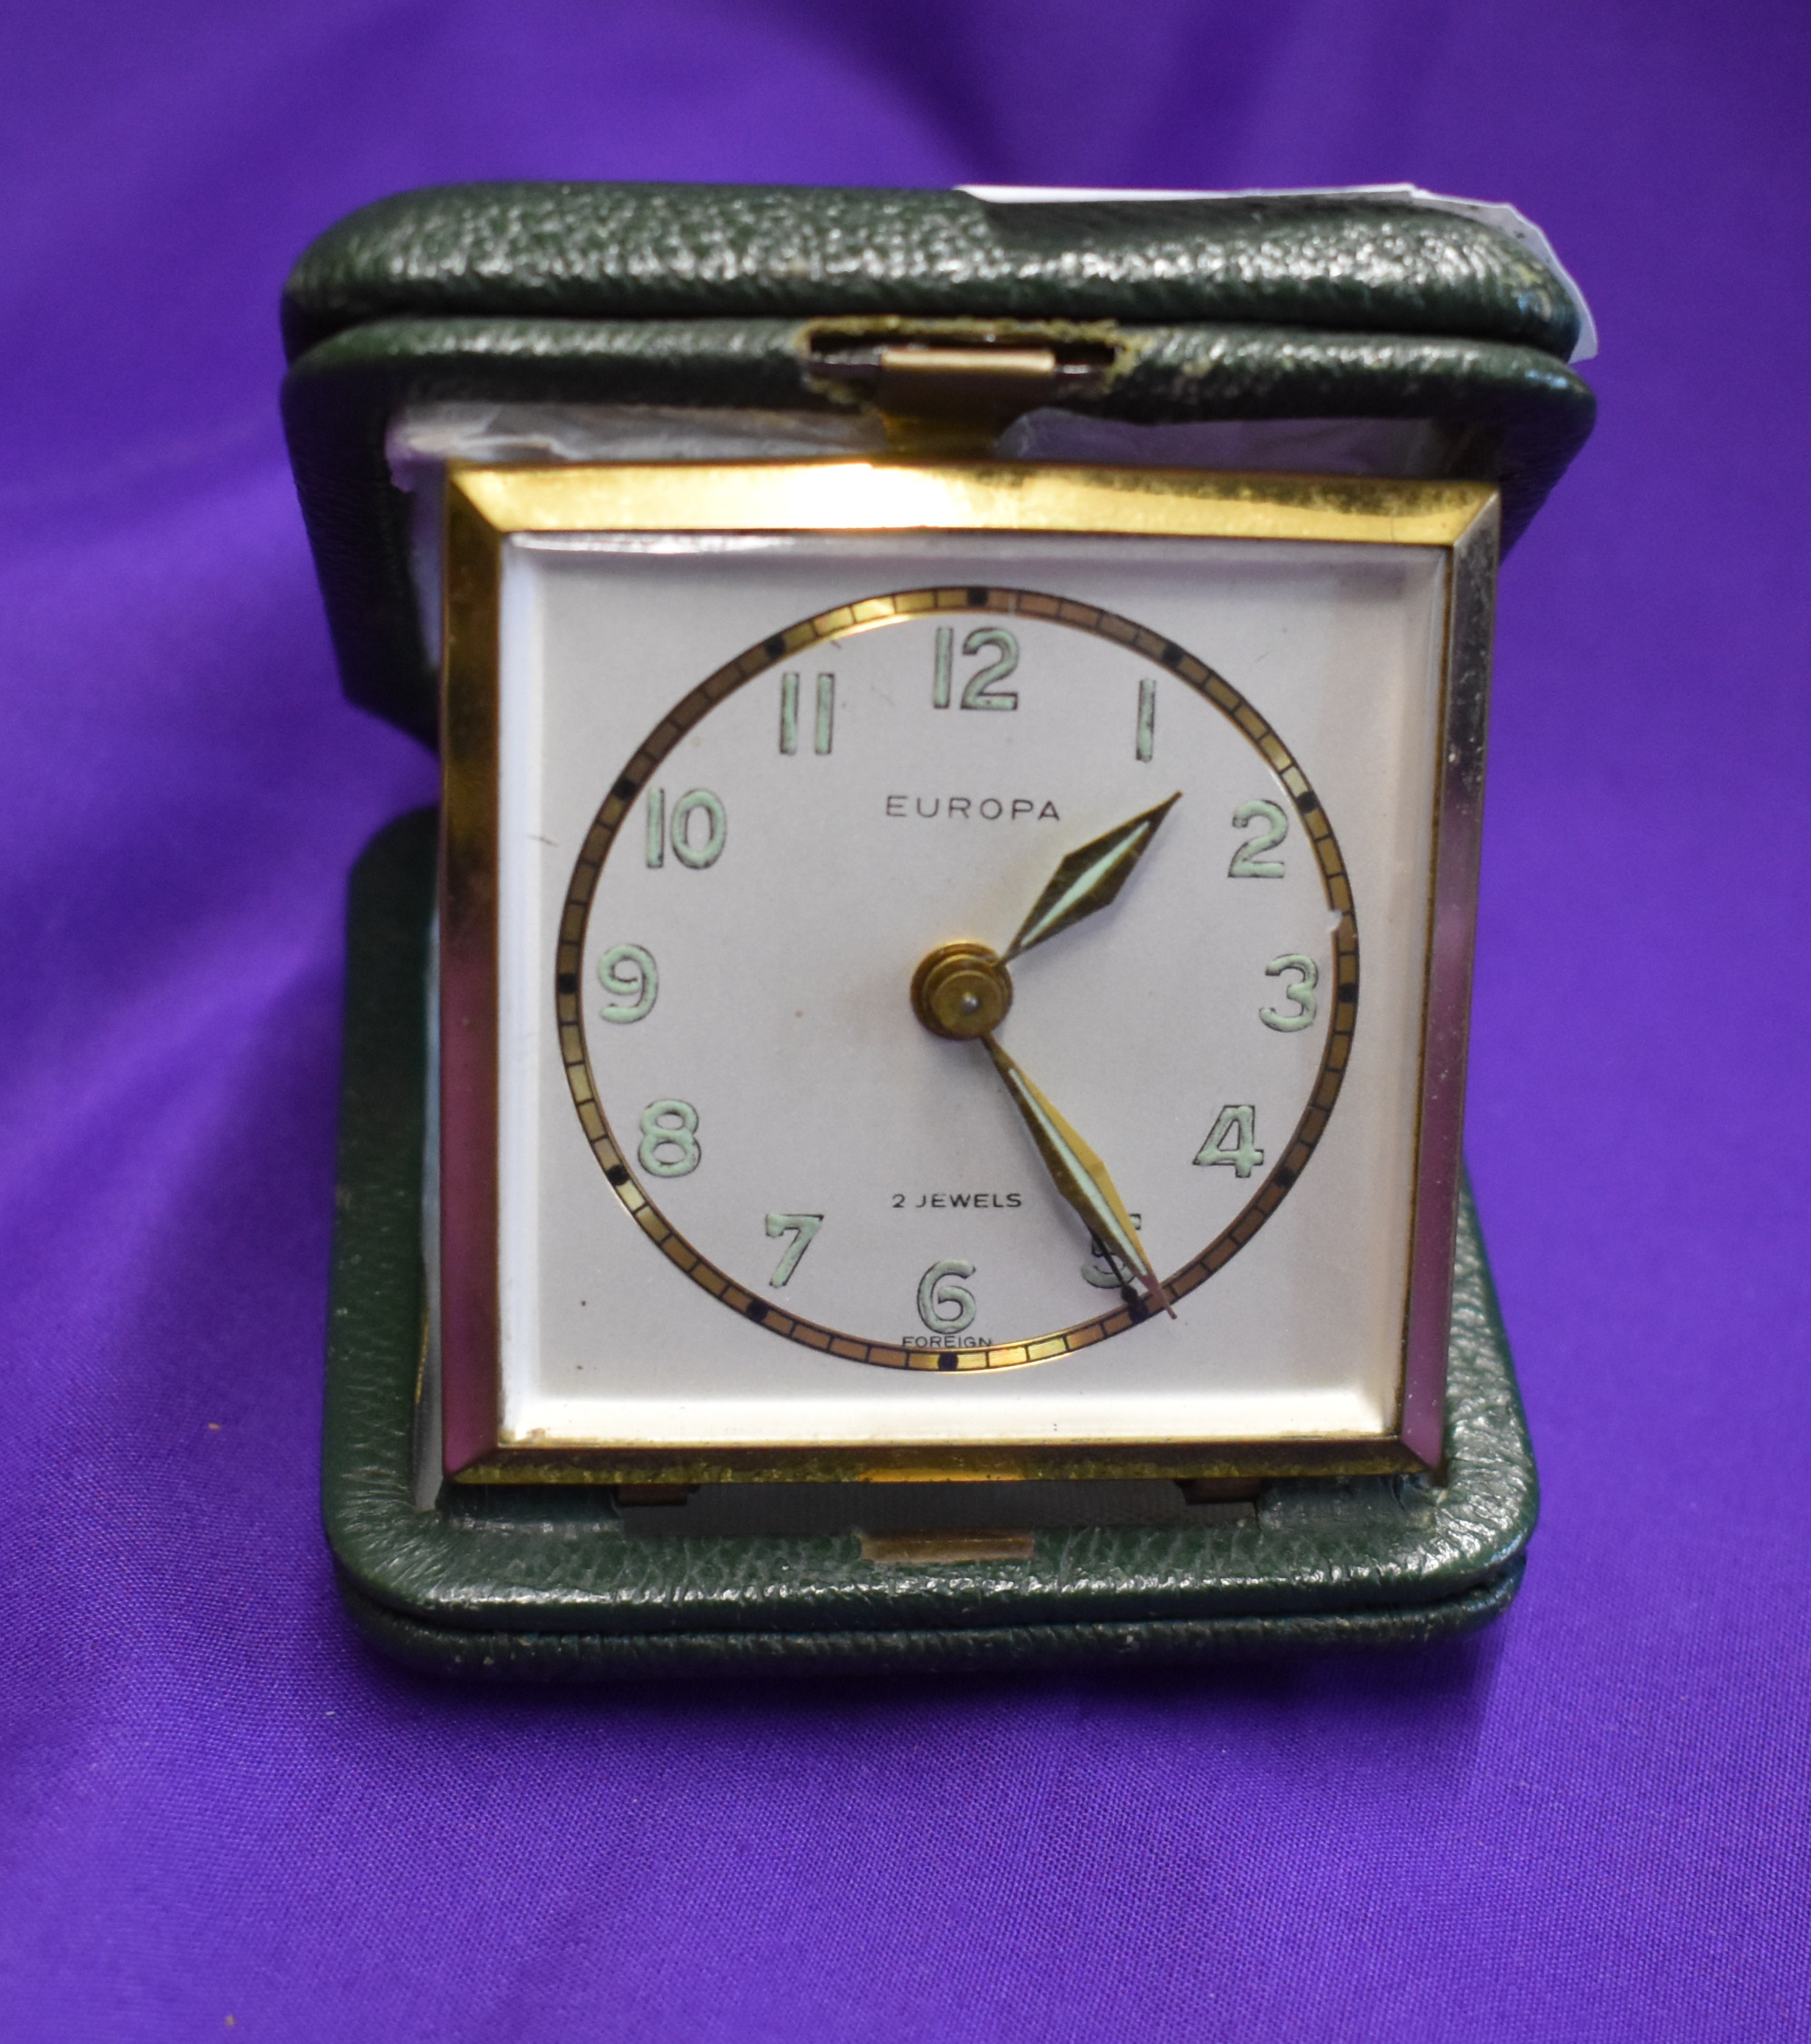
815,822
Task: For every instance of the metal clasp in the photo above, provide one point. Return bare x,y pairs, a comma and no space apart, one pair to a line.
956,392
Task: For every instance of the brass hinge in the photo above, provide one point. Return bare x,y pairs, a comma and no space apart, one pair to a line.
957,395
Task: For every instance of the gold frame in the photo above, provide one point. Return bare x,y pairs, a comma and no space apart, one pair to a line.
486,505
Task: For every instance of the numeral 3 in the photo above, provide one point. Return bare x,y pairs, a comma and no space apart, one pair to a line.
1300,991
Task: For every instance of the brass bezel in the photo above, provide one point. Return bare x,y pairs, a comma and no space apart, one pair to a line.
484,505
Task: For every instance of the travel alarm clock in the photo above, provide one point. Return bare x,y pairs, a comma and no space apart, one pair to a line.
908,1110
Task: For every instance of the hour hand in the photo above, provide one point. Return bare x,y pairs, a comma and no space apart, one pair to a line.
1079,1174
1089,878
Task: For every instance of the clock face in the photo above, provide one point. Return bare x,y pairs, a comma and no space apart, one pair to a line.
770,808
897,794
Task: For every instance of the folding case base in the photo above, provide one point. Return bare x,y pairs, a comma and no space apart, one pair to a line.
546,1581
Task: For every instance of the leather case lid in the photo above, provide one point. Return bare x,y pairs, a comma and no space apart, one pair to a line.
713,252
1302,308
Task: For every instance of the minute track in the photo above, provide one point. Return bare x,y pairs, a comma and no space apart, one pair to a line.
868,615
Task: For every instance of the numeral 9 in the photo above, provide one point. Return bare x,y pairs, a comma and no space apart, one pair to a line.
628,973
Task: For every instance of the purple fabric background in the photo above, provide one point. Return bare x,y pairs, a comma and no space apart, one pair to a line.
223,1816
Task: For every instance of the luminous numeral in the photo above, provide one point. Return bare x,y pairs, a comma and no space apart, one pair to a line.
698,801
1232,1139
802,1228
669,1138
825,724
938,1290
980,691
1246,863
628,972
1105,1269
1300,991
1147,716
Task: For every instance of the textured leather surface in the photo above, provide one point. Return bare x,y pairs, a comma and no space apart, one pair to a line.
566,1657
1523,416
700,252
548,1574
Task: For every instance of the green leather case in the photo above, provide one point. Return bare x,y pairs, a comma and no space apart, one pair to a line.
1266,309
542,1581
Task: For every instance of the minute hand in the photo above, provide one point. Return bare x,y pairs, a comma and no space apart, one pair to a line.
1079,1175
1089,878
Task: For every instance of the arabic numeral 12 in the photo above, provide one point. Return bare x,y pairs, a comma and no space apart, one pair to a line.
981,691
1233,1140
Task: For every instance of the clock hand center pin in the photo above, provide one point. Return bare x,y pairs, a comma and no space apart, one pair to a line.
961,990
